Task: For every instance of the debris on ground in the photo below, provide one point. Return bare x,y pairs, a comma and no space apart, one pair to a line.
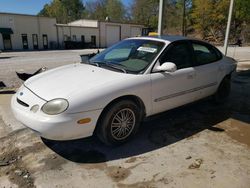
26,76
196,164
6,162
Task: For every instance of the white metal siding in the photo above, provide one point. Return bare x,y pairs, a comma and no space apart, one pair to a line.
135,31
113,34
23,24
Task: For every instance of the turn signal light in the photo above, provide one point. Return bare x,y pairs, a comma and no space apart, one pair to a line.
83,121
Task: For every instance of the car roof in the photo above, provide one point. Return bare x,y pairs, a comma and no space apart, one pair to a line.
164,38
170,38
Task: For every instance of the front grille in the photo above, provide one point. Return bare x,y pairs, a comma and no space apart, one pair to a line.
22,103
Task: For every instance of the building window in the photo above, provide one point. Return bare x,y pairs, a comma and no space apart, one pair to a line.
93,40
45,41
83,39
74,38
35,41
25,41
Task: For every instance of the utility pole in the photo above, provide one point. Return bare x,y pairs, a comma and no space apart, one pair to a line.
160,18
184,19
228,26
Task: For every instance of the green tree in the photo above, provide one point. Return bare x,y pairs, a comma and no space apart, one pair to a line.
100,9
241,20
145,12
96,9
55,9
173,17
209,18
74,9
63,10
115,10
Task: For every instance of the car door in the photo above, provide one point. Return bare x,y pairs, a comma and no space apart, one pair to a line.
207,68
170,90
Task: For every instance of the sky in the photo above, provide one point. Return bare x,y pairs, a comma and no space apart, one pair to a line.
30,6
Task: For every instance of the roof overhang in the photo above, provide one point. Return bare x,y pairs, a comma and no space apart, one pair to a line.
5,30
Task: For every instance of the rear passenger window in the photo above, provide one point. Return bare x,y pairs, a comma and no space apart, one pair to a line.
204,54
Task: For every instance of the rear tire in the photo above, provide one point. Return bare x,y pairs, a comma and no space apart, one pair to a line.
223,91
119,123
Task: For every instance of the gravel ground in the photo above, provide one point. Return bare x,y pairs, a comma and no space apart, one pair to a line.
198,145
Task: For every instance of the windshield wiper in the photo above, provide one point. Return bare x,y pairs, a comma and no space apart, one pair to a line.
116,66
95,64
108,64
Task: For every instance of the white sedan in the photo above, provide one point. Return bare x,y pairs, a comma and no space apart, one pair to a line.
111,93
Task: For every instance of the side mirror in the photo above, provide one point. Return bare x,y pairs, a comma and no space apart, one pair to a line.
166,67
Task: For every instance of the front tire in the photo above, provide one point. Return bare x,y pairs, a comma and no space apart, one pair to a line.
223,91
119,123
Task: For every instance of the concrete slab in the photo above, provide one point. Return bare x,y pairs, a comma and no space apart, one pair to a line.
7,116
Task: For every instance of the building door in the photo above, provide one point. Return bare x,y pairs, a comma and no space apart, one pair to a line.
83,39
45,41
135,31
25,41
35,41
93,40
113,34
7,42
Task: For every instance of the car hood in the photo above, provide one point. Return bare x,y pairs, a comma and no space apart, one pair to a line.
64,81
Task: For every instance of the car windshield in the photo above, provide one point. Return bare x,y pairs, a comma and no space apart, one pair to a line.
129,56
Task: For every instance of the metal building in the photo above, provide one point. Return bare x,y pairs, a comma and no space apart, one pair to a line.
30,32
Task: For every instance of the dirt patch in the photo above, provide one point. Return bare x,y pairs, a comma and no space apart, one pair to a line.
237,130
142,184
118,173
34,148
16,171
52,162
153,183
20,176
15,167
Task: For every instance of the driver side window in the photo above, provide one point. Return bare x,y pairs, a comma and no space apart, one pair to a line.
178,54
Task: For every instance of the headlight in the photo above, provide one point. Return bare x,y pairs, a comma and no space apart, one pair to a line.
55,106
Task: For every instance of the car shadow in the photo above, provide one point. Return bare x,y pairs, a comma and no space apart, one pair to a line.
156,132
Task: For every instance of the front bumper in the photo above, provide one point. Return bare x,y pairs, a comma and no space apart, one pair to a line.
56,127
